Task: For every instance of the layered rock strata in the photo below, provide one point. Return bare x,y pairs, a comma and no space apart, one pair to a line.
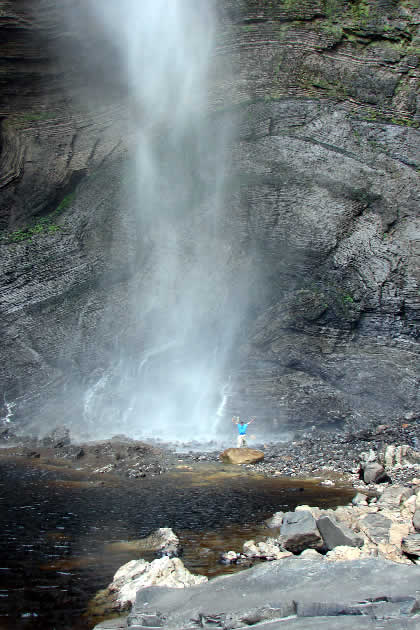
322,196
304,594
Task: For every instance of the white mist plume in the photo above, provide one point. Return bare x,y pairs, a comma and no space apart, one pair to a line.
187,303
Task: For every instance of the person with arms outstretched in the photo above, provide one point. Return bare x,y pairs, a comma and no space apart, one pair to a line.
242,427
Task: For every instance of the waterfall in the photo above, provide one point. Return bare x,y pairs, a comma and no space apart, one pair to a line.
184,307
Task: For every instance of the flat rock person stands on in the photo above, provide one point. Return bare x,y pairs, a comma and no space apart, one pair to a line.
242,427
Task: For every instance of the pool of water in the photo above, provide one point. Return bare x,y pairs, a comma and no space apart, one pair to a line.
59,529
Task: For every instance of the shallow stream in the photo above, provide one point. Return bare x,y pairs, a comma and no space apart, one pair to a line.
63,532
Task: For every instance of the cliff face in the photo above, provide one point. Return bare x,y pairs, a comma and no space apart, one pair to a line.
323,190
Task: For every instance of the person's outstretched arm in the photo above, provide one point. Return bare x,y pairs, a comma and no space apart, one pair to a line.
252,420
234,420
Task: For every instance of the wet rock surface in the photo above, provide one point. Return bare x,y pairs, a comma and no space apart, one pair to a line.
120,455
307,593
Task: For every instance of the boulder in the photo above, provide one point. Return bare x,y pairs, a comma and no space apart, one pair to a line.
374,473
416,520
376,527
409,506
336,534
275,520
397,532
299,531
411,545
138,574
268,550
315,511
392,497
241,456
162,541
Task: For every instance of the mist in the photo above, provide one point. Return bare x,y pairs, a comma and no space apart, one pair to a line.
169,374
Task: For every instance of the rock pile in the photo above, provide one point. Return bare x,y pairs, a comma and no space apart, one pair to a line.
166,570
314,453
139,574
384,526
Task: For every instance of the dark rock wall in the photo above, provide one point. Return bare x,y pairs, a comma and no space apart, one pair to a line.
323,196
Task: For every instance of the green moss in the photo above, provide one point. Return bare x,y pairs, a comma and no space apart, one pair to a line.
331,8
335,90
333,29
290,5
370,114
64,203
360,10
405,122
44,225
410,4
35,116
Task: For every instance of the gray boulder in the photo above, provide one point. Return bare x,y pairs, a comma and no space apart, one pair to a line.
376,526
392,497
268,550
299,531
336,534
163,541
275,520
411,544
374,473
416,520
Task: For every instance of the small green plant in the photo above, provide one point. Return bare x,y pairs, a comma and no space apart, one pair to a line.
332,29
348,299
331,8
370,115
44,225
290,5
360,10
405,122
334,90
65,203
36,116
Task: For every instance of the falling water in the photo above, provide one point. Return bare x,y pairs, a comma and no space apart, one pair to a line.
184,309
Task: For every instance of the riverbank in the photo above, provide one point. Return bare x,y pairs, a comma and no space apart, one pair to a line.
310,454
